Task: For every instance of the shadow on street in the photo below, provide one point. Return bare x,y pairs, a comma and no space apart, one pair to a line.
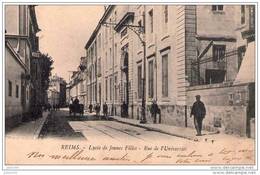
57,126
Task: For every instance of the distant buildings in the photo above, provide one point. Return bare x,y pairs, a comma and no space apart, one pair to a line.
21,43
77,86
57,91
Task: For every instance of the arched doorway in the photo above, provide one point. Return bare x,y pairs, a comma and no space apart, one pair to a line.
125,78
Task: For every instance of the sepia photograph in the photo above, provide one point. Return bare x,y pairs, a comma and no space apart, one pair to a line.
129,84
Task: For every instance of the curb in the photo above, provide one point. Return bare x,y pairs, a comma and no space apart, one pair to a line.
161,131
38,130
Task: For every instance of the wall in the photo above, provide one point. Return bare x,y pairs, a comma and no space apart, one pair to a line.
12,19
229,107
13,106
210,23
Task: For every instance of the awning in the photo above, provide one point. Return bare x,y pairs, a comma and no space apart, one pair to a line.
246,72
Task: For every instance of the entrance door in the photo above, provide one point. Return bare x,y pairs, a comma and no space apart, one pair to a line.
125,77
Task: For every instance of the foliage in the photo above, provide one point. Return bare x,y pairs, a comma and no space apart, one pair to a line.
47,62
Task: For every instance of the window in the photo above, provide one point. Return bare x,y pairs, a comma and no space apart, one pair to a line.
151,20
150,79
115,52
110,58
165,13
165,75
95,92
106,61
242,14
219,52
99,67
106,89
115,89
81,86
241,53
111,87
139,79
17,91
99,41
124,32
10,88
217,7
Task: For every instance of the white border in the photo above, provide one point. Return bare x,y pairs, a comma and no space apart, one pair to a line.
69,169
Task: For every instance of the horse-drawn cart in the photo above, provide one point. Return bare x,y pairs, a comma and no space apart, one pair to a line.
76,108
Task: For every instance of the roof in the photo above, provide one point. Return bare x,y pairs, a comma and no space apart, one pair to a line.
103,18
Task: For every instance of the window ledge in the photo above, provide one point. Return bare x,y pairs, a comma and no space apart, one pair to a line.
218,12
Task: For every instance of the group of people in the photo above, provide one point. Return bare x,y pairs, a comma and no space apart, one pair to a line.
97,109
48,107
198,110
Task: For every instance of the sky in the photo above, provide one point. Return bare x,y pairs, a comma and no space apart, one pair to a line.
64,32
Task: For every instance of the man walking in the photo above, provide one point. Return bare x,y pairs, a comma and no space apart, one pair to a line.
105,108
198,111
97,109
154,110
124,109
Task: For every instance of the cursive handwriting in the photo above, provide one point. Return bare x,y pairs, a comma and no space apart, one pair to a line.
149,156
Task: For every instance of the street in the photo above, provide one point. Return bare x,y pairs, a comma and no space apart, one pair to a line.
90,140
89,127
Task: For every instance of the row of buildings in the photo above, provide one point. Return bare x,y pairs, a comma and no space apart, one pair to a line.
57,92
170,53
25,85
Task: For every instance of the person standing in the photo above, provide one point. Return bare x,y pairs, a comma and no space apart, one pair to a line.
90,107
76,101
198,111
97,109
124,109
154,110
105,112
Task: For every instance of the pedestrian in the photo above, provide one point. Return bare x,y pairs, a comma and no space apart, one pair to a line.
97,109
76,101
198,111
105,112
90,107
154,110
71,105
124,109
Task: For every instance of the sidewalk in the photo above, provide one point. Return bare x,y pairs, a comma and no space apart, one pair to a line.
28,130
182,132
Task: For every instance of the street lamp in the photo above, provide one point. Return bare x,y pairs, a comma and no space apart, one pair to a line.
138,30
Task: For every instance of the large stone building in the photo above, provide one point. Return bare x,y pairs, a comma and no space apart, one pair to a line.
57,91
180,51
20,43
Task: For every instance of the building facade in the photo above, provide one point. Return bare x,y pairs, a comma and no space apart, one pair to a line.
20,42
57,91
180,51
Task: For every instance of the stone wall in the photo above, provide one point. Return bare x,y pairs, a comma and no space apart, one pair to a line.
226,106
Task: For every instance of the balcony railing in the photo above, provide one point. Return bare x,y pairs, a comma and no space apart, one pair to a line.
210,70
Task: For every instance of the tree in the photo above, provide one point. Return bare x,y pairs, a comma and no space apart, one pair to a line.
47,62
